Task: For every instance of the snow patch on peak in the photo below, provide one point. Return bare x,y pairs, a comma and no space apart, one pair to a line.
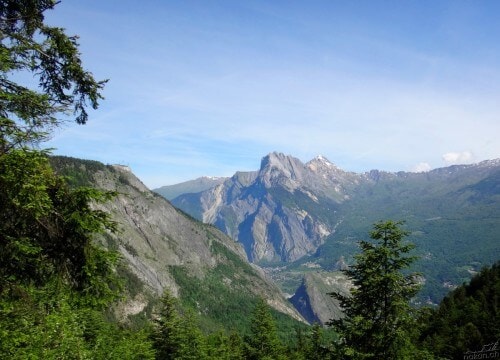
320,161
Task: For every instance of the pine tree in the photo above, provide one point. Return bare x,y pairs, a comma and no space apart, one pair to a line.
300,346
263,343
221,346
316,350
235,347
166,336
192,345
377,314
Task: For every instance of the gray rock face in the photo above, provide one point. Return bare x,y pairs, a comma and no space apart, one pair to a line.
269,211
152,234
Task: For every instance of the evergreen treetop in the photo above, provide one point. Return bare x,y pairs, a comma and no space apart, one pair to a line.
377,314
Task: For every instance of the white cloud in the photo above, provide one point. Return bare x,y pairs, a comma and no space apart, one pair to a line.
421,167
458,157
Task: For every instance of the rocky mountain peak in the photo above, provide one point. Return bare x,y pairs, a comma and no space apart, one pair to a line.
278,168
280,161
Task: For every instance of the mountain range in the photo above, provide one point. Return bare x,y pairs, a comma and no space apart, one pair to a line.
288,215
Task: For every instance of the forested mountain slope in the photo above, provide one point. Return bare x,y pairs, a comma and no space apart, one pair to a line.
468,318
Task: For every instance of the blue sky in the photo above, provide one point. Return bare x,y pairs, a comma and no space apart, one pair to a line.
210,87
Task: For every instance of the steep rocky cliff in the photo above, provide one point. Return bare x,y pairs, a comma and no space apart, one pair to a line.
280,213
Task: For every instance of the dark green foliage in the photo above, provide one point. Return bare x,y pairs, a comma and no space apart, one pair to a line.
47,229
193,342
313,343
166,335
218,296
377,313
77,172
467,319
131,282
226,305
316,349
55,280
42,324
263,342
225,347
454,208
218,304
176,334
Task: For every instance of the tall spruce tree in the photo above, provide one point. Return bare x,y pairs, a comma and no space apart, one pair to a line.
193,345
316,349
378,315
263,343
166,336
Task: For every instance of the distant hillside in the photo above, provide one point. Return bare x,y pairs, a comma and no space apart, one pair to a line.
164,248
189,187
468,318
312,299
289,213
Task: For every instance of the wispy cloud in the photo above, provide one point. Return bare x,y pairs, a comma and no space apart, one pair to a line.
463,157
